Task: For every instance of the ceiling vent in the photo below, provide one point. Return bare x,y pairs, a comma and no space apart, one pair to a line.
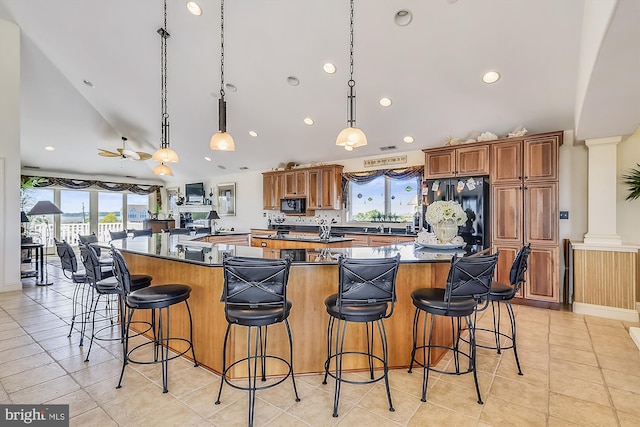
388,147
31,167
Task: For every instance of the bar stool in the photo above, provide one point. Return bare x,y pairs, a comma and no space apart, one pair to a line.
501,292
108,288
366,294
89,239
255,296
144,232
468,283
158,297
81,294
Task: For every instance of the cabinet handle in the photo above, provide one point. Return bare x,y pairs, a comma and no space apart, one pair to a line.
526,177
526,188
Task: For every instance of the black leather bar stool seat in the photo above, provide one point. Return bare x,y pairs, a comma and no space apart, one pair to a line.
366,294
468,283
155,298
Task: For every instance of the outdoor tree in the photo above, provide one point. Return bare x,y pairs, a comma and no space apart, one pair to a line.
110,217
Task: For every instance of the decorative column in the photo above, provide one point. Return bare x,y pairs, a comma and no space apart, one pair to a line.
601,215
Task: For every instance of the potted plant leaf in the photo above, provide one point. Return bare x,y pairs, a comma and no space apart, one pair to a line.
632,179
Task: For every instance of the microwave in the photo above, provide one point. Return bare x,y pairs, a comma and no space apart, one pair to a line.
295,206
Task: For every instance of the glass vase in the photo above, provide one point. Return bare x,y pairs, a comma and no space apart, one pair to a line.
446,230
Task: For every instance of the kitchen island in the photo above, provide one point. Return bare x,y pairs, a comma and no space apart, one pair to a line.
313,277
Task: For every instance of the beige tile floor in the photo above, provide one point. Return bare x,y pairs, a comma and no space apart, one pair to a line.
578,371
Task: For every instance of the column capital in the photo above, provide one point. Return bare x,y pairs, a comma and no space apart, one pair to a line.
609,140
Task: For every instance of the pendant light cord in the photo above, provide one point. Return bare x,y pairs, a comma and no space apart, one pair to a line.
222,49
164,138
351,97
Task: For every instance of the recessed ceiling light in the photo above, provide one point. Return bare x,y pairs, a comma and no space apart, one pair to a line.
491,77
348,148
88,83
49,148
402,18
329,68
308,121
293,81
253,133
408,139
385,102
194,8
208,159
231,87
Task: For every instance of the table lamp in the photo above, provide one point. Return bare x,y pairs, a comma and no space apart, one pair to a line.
45,207
213,215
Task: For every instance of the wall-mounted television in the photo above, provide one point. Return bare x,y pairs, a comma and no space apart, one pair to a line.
194,193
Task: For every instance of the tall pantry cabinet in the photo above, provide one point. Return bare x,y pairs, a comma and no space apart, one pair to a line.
524,182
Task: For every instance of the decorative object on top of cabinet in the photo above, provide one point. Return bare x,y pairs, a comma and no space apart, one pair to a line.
519,131
487,136
463,160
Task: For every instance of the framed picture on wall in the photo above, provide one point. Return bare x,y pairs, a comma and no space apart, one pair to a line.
227,199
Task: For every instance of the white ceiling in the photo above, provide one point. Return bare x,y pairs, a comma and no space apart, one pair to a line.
430,69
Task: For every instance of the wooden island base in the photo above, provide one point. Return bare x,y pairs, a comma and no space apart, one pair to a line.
309,285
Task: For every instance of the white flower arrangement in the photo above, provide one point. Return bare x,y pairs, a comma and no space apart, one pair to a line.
441,210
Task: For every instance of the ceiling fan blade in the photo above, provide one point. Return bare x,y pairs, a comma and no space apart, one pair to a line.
143,155
106,153
131,154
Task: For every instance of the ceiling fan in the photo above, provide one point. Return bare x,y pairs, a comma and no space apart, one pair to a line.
124,153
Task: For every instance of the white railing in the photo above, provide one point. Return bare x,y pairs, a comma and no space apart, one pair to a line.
70,232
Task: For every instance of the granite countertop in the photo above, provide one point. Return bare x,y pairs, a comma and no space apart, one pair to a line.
369,231
312,239
184,248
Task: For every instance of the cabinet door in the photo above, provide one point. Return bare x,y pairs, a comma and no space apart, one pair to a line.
541,159
295,184
543,276
506,215
360,240
472,161
506,163
330,193
541,213
313,190
278,190
268,191
440,164
507,253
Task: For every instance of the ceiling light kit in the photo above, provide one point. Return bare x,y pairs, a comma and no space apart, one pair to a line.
408,139
194,8
385,102
308,121
403,18
351,137
329,68
49,148
124,153
221,140
491,77
165,154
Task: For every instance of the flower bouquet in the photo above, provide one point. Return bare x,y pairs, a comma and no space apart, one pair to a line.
445,217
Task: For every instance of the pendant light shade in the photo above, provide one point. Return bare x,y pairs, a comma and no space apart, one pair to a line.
162,169
221,140
351,137
165,154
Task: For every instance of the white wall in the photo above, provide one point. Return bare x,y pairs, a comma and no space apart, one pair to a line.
628,211
9,157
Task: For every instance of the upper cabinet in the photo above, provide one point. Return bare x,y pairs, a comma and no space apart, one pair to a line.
467,160
295,183
322,187
531,159
272,189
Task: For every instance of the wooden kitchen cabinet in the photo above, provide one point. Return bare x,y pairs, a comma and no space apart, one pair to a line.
467,160
272,189
295,183
325,187
525,210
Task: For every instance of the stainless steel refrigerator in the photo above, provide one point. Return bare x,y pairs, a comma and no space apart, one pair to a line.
472,193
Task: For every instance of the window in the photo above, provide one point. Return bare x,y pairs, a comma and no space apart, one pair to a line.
137,208
75,219
383,199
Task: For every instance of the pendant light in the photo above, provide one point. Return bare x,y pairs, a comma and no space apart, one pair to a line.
221,140
351,137
165,154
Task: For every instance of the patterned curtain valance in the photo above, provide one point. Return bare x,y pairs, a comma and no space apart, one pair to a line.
367,176
78,184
